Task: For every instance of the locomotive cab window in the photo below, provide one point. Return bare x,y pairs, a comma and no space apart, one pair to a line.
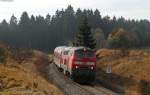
82,53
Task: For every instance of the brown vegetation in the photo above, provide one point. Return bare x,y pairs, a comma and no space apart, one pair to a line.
15,79
20,74
130,72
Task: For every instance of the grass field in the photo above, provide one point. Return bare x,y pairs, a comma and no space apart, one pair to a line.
16,80
20,75
131,72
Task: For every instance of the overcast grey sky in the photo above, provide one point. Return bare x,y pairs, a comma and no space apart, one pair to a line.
137,9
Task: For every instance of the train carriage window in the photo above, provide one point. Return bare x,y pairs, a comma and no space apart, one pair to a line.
66,52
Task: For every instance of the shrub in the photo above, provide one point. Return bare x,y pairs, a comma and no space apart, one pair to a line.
119,40
3,55
144,87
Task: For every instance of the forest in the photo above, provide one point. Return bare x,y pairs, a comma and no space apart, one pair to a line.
46,33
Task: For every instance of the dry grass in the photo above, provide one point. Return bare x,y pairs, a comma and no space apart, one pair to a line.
19,75
16,80
132,71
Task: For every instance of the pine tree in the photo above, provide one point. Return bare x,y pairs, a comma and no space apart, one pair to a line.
48,19
13,23
24,22
4,25
85,37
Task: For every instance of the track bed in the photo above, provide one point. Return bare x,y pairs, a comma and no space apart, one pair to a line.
69,87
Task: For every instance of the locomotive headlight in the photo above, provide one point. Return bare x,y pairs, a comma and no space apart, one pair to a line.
92,68
77,67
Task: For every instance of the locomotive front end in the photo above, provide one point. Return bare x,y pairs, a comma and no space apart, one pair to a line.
84,66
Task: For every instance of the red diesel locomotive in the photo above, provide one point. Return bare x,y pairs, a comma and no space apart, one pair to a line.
79,63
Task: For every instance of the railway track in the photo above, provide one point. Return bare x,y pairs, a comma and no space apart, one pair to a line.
98,90
65,84
72,88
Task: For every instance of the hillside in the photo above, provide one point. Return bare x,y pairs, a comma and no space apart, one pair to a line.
14,79
20,75
131,72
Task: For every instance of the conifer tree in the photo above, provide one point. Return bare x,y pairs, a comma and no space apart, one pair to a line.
85,37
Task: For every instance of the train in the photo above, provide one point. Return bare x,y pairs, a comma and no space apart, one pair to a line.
78,63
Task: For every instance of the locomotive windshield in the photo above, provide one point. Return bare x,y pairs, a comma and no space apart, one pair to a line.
84,54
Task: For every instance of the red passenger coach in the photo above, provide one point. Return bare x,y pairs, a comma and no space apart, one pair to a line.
77,62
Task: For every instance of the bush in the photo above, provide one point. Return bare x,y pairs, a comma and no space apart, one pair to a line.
21,54
3,55
119,40
144,87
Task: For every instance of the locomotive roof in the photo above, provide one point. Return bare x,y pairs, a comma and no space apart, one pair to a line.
78,48
63,48
60,48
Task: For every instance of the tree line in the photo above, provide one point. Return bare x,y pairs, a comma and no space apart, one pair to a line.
45,33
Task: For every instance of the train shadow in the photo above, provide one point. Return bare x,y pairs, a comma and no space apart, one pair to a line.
119,83
114,82
92,84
